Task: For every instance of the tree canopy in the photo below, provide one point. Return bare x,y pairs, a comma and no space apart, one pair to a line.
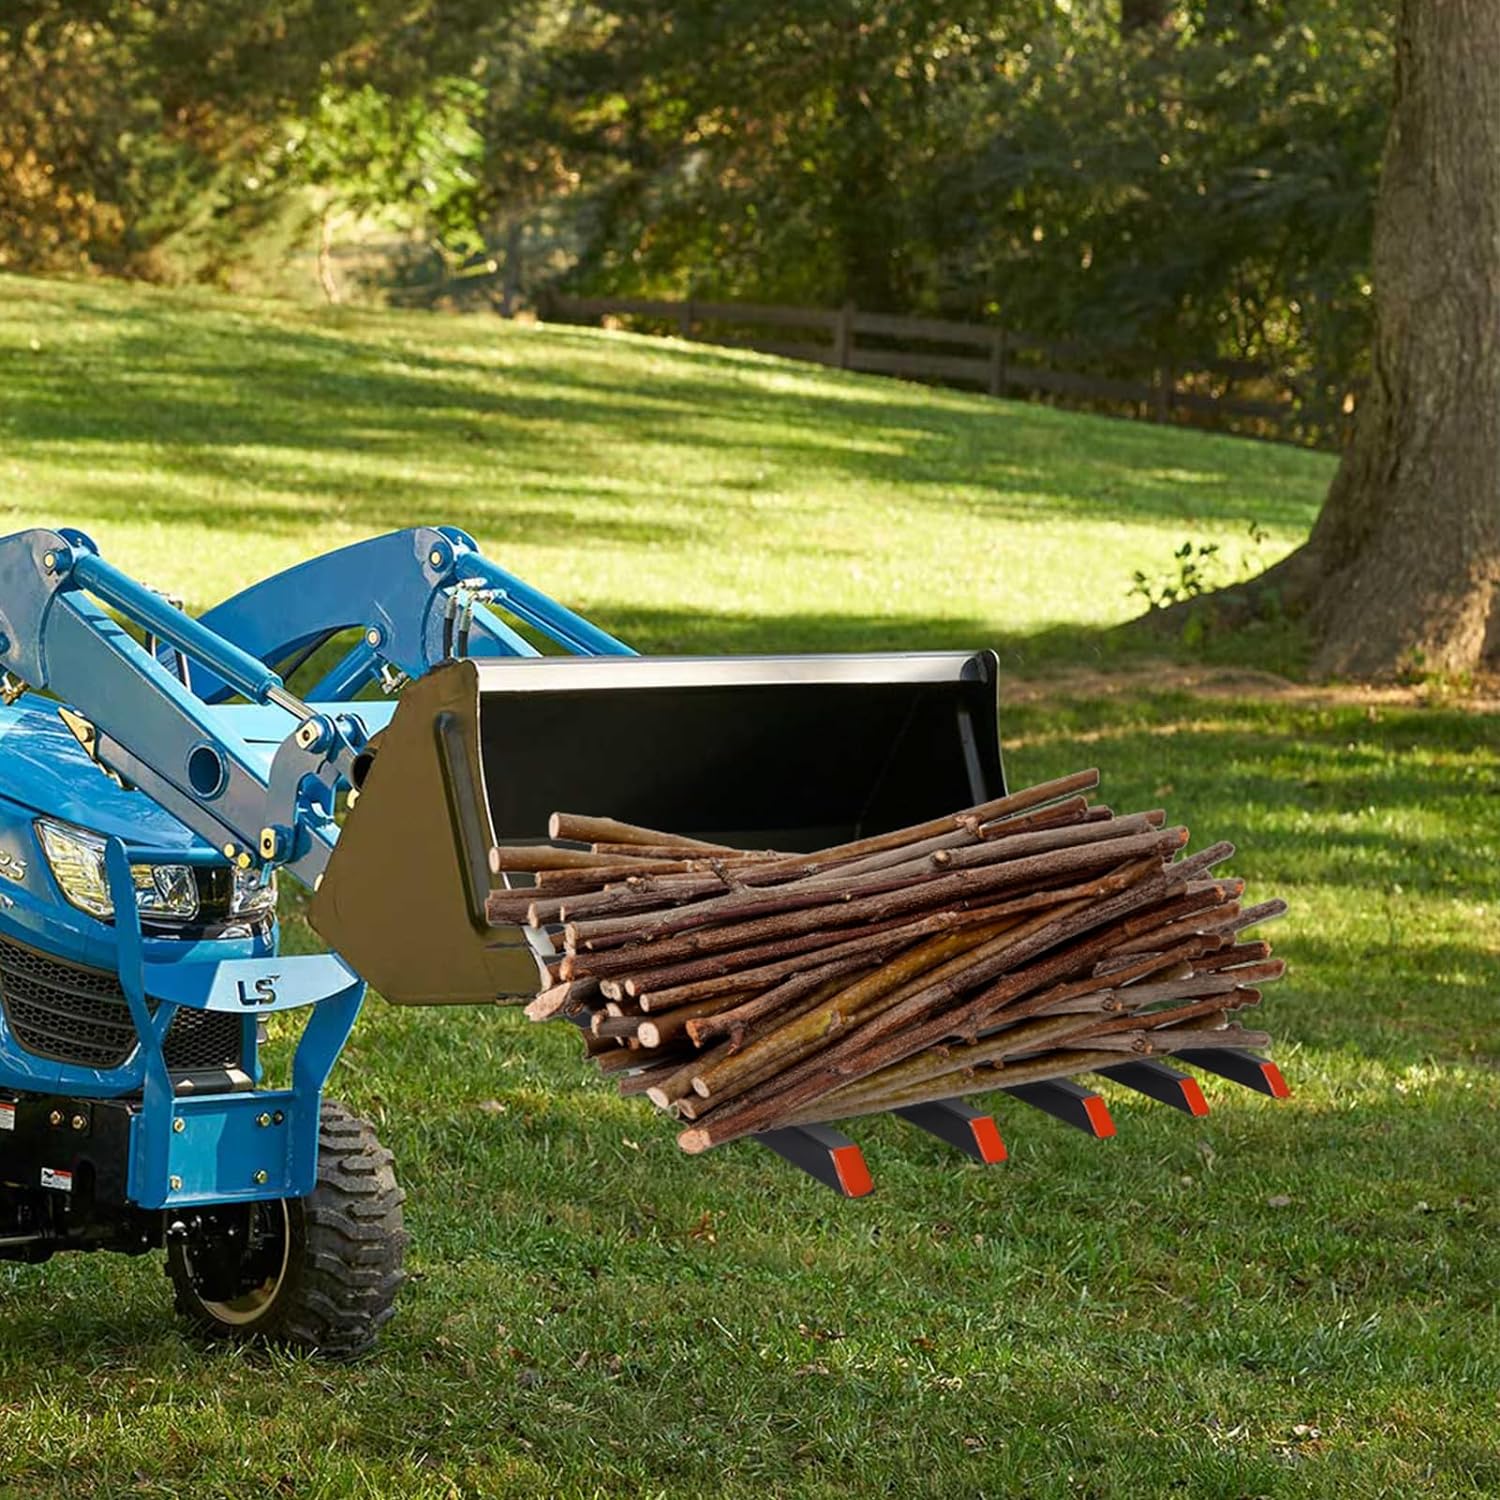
1193,177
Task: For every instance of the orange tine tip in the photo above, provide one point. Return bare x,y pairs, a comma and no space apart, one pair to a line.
987,1138
854,1176
1193,1094
1274,1081
1099,1116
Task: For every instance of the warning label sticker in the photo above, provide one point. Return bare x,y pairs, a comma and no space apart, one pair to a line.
7,1116
54,1177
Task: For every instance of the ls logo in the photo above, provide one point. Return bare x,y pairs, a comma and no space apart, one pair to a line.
258,992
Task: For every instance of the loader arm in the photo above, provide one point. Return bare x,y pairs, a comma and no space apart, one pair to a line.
409,594
152,719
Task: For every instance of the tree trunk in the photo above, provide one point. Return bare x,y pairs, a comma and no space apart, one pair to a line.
326,278
1146,15
1402,570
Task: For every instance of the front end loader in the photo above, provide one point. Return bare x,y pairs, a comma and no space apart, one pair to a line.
158,776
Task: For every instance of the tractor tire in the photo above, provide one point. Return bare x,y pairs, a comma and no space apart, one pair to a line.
325,1269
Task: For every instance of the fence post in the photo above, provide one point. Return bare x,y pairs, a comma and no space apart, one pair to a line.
1165,384
997,363
510,295
843,336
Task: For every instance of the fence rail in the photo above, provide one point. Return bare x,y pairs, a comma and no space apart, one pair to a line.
999,360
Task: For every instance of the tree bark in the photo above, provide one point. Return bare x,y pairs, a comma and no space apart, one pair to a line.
1146,16
1402,570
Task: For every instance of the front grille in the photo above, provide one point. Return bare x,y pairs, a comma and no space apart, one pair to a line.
69,1014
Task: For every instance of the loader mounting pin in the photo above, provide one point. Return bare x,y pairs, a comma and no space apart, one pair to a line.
178,1125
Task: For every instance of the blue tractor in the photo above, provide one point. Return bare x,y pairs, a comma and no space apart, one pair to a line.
157,774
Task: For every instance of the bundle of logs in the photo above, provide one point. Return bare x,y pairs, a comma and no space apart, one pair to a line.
1028,938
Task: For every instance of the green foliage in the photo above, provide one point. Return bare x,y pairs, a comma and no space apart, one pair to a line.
1204,190
1198,568
413,160
1198,187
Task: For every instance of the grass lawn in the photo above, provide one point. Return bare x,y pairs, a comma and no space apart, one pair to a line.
1280,1300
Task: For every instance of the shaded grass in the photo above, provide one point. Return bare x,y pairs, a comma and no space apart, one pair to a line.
1285,1300
684,481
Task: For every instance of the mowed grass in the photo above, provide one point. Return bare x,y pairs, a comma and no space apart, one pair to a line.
1281,1300
692,498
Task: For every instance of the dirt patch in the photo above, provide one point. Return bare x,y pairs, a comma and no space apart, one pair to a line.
1483,697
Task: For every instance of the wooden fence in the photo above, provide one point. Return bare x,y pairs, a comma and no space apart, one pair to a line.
1234,394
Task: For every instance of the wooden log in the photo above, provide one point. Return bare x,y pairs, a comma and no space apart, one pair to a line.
657,1031
670,851
863,947
623,1058
900,892
1162,1043
726,1022
1212,1005
604,1025
734,960
584,829
825,868
983,812
597,1046
1232,954
1172,931
999,851
569,998
982,1080
1135,996
1204,860
504,908
680,1082
532,858
1031,1036
1073,1005
642,1079
1253,916
1072,810
578,882
922,1019
1115,985
1069,810
845,1008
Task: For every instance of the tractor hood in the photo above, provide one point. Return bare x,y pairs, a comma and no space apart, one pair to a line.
47,771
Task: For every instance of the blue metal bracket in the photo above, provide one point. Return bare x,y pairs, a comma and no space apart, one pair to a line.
395,590
232,1147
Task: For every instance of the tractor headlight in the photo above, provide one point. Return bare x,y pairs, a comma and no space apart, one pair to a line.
168,893
251,897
